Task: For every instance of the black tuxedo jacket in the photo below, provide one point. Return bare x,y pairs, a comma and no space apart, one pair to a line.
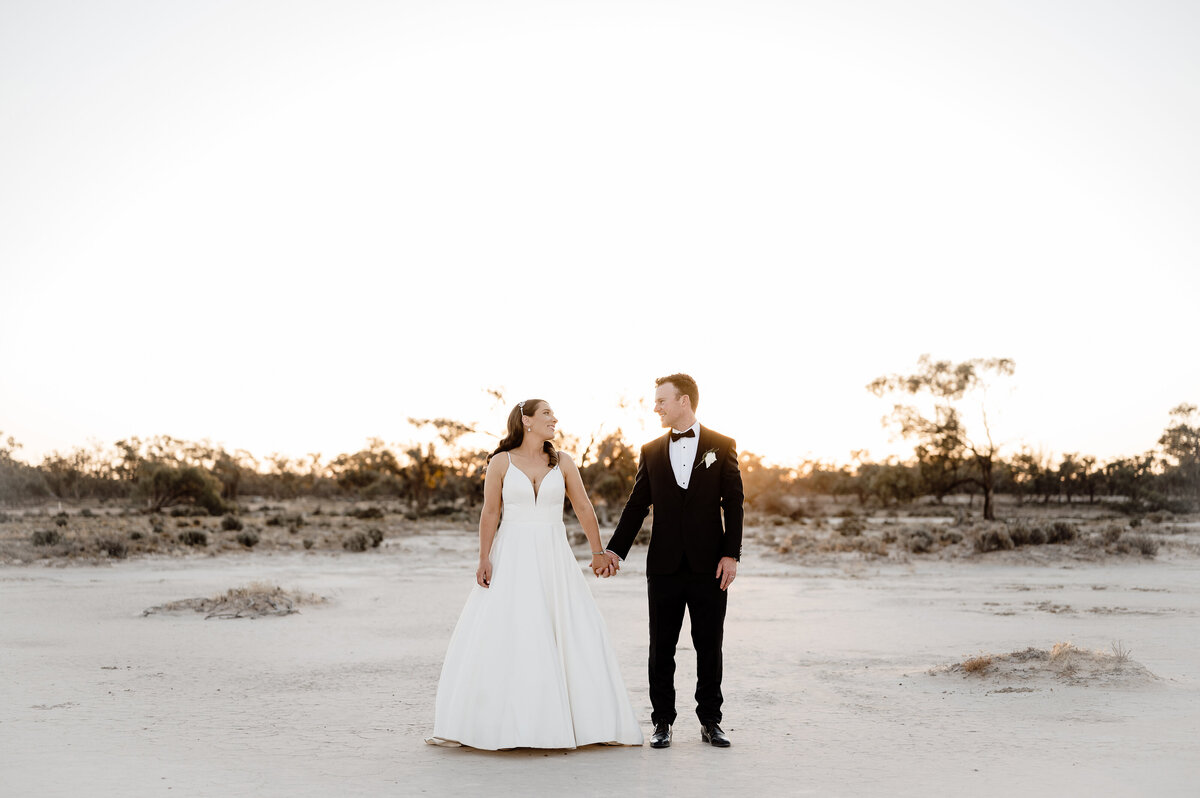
685,522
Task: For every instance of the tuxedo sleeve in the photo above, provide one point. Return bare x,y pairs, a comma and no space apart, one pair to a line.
731,503
637,507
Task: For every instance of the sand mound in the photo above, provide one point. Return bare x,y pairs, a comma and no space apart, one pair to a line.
252,601
1063,664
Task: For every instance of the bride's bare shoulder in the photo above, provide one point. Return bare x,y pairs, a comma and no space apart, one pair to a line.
498,465
564,460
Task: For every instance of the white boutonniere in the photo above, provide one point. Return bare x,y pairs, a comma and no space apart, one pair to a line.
709,457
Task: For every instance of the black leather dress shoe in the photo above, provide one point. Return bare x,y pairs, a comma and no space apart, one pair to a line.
662,736
713,735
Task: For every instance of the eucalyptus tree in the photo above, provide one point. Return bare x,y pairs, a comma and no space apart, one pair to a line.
944,445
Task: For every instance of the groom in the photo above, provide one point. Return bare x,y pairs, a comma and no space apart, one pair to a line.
690,476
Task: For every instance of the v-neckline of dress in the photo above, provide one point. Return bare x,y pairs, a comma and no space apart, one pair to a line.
528,479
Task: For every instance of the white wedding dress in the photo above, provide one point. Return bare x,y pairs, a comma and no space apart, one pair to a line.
529,664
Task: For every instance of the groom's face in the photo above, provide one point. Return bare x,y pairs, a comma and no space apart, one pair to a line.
670,404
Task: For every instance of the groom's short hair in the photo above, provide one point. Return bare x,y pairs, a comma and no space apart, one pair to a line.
683,385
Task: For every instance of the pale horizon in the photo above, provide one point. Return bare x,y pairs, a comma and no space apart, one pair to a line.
289,227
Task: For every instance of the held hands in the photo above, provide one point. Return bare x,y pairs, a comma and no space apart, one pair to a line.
483,574
726,571
605,563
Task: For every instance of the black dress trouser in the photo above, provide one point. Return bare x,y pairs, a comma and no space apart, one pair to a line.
705,601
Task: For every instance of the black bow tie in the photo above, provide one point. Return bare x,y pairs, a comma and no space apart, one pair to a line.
690,433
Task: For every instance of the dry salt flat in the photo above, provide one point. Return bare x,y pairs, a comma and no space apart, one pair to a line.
844,679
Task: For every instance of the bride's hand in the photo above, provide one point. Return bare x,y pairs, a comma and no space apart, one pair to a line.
483,574
600,565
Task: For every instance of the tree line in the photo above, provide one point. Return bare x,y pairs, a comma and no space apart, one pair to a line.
446,475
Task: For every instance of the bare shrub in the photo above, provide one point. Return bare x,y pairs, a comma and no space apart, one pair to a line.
368,513
248,539
993,540
356,542
231,523
376,537
1111,534
851,526
45,537
308,543
1061,532
113,547
919,541
1020,534
1120,653
1140,543
193,537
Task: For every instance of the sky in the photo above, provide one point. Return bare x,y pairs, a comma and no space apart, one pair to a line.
291,226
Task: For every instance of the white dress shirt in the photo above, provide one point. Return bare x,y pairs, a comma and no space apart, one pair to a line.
683,455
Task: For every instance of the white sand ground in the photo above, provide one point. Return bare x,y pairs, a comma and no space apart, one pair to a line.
828,682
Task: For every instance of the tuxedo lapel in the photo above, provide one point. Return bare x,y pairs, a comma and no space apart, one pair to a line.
703,444
665,474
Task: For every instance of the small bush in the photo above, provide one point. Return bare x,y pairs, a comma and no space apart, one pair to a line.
248,539
993,540
193,537
86,513
368,513
60,520
1111,534
231,523
45,537
1037,536
113,547
1142,544
356,542
919,541
1061,532
376,537
950,536
1134,523
1020,534
851,526
136,535
308,543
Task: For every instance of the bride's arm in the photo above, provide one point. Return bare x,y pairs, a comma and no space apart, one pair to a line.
489,518
583,510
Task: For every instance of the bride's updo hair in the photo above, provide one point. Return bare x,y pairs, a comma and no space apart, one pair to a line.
516,431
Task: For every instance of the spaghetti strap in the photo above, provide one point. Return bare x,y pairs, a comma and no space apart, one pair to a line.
509,457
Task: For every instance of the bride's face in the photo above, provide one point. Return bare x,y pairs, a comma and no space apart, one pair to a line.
542,423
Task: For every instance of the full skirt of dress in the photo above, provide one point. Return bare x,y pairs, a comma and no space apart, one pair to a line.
529,663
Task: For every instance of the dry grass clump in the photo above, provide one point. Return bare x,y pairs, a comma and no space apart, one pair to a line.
977,664
255,600
1001,537
1064,662
1142,544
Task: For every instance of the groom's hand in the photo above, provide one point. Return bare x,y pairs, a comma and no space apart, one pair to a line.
726,571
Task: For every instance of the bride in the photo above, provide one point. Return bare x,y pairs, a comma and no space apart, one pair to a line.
529,664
